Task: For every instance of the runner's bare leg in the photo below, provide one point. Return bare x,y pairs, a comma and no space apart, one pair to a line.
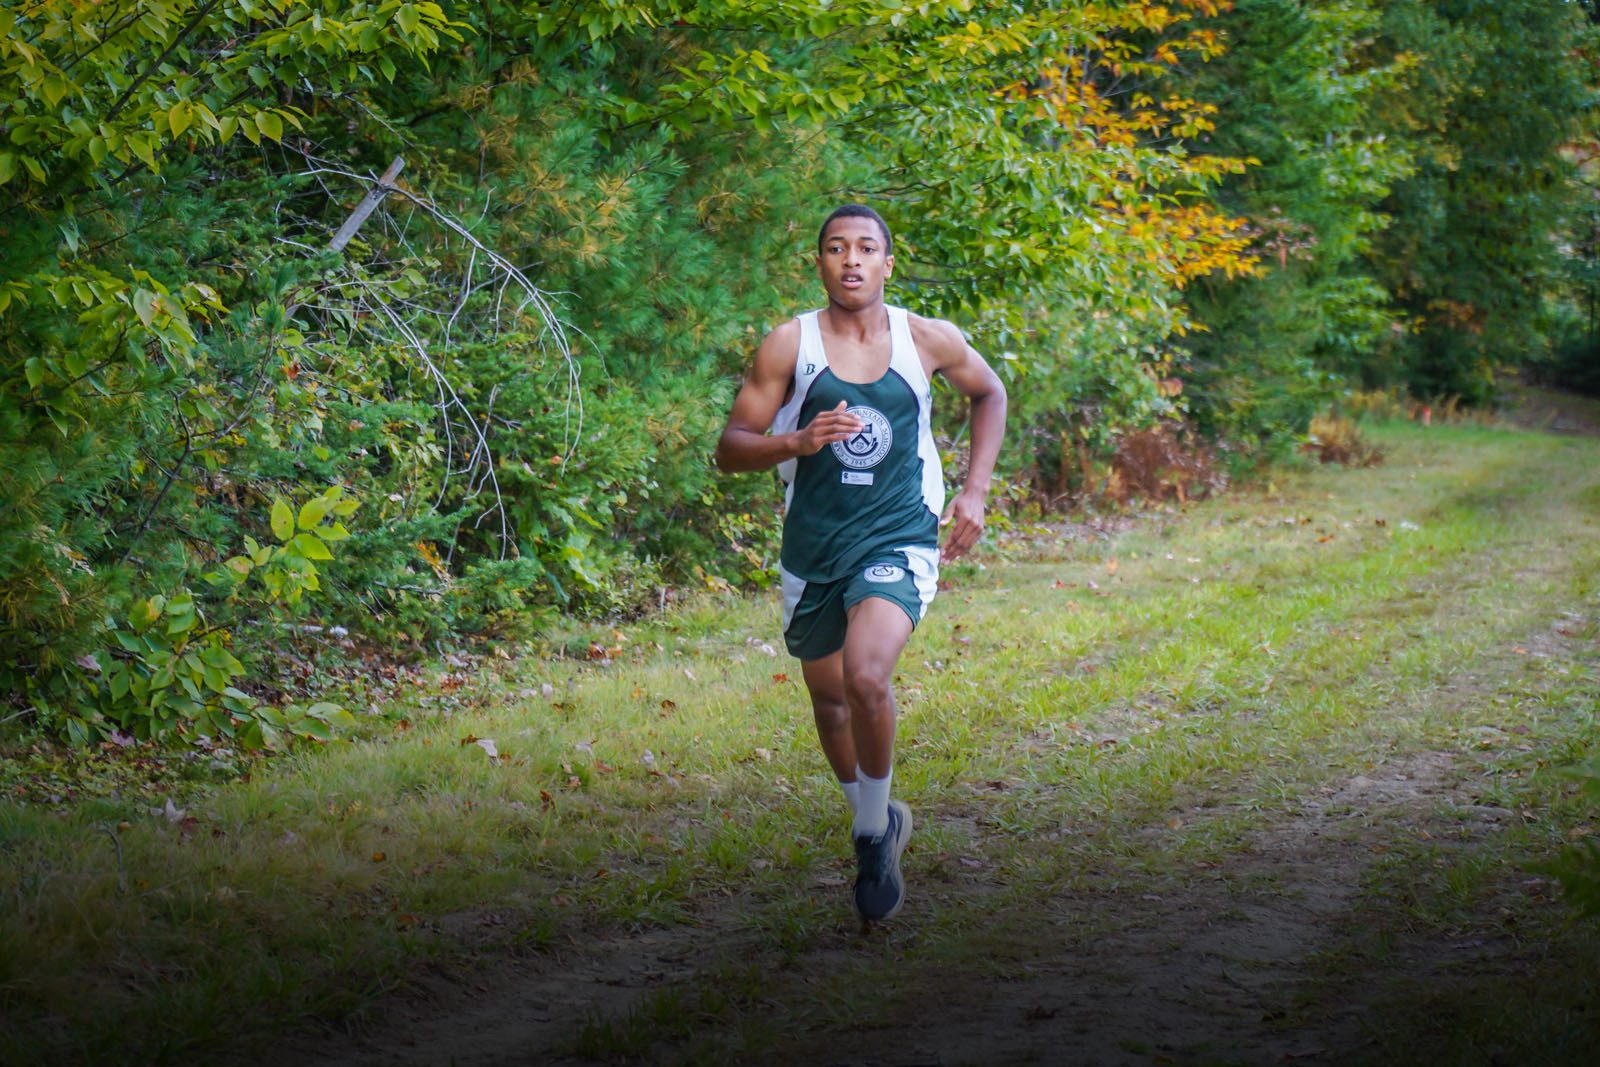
874,638
825,679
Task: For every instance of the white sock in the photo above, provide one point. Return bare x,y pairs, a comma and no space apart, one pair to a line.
852,793
872,813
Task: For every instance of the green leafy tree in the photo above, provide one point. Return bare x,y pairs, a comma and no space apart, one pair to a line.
1470,256
136,344
519,362
1298,91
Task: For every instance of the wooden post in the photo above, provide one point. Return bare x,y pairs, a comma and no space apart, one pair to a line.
368,205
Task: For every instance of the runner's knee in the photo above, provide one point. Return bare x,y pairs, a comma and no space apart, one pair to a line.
866,687
832,713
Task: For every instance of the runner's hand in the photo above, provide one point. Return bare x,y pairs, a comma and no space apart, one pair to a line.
964,517
825,429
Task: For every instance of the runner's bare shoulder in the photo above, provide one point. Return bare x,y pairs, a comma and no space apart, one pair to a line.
780,349
941,342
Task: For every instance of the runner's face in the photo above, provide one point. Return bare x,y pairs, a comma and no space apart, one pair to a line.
853,265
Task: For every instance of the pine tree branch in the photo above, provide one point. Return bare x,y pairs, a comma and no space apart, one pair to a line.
172,476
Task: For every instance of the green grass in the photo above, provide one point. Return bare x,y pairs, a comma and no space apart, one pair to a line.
1072,729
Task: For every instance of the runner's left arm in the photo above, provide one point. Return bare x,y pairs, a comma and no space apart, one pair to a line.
971,376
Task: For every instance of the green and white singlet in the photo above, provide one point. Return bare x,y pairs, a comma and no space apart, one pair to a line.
871,500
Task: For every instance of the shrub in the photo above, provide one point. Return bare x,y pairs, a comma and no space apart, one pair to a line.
1574,359
167,668
1164,462
1335,439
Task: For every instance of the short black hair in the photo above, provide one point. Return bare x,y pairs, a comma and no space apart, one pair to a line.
856,211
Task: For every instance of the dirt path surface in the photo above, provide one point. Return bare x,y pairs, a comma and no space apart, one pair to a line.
1207,962
1344,894
1221,969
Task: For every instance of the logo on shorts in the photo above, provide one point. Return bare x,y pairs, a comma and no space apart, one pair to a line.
883,573
868,447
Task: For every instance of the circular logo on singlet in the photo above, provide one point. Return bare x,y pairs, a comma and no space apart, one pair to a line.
870,444
883,573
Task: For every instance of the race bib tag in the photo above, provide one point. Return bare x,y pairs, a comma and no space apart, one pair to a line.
856,477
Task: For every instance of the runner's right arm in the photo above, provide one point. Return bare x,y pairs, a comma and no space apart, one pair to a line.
746,445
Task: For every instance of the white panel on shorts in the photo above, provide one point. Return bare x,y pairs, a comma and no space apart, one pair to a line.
923,562
794,587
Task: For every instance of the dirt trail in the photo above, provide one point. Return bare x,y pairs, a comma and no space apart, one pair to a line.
1261,958
526,1012
1218,971
1215,972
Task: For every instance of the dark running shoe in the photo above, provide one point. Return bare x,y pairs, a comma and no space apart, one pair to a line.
879,888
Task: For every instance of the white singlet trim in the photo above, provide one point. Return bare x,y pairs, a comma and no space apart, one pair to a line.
811,360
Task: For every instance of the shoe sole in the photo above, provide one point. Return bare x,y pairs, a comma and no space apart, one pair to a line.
899,846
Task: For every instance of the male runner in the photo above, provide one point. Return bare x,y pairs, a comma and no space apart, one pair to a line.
846,393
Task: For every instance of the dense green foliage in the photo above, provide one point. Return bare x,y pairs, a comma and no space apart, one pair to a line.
1409,201
509,382
1299,89
1470,257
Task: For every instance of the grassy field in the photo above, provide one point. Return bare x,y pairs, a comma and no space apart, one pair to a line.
1267,776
